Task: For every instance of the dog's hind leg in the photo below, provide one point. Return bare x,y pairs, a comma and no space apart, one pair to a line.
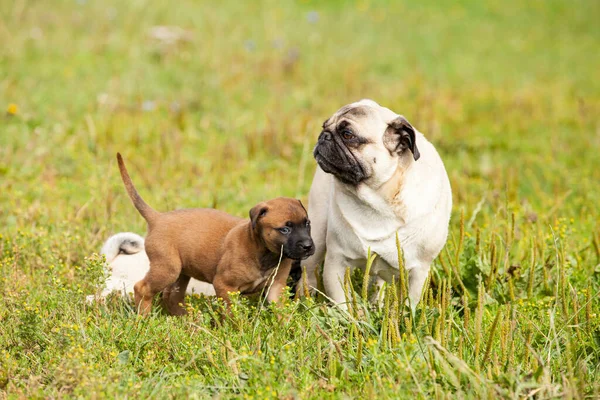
163,272
174,295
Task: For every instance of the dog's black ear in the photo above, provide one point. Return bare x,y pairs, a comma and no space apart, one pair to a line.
257,212
399,136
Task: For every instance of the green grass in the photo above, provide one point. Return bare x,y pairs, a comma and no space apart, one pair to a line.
509,93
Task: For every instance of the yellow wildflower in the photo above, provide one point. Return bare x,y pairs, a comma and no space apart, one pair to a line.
12,109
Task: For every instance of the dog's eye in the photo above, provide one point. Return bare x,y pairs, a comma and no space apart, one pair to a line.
285,230
347,135
307,223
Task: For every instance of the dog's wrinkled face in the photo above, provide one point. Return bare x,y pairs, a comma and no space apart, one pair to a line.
364,142
283,222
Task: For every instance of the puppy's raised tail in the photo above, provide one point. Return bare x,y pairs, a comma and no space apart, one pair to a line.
122,243
147,212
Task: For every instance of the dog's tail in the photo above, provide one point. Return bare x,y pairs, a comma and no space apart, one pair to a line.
147,212
122,243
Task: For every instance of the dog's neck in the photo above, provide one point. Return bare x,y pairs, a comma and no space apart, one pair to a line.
386,197
365,197
390,190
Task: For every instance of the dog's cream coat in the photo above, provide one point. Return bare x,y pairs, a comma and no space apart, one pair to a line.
402,196
127,263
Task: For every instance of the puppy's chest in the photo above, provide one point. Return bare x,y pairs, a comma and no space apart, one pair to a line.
259,280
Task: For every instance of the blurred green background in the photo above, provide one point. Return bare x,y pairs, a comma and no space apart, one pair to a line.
222,103
219,104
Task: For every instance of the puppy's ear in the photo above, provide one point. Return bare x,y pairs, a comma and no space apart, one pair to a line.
257,212
399,136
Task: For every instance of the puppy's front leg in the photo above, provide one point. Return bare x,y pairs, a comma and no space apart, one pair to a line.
279,281
222,290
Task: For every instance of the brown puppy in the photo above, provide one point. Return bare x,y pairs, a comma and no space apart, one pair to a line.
212,246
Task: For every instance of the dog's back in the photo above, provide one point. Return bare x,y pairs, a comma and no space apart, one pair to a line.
196,237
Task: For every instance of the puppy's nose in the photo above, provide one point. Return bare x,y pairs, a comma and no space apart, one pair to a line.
306,245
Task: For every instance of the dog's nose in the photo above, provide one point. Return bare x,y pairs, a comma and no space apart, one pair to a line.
306,245
325,136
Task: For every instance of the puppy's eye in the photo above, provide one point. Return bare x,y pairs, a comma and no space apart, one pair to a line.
347,134
307,223
286,230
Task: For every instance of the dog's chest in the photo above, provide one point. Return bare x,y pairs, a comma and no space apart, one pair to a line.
355,228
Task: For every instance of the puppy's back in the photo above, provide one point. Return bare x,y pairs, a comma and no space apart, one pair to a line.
197,234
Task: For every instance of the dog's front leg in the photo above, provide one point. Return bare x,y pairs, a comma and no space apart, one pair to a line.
376,285
333,278
318,206
416,279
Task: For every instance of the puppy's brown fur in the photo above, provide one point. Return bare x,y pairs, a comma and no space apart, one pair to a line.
212,246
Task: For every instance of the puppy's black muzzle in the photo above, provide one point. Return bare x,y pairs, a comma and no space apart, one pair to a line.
306,247
299,245
300,250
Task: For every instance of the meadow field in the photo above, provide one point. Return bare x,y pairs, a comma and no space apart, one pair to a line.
219,105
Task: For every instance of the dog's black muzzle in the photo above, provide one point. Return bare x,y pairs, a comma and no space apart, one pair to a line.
335,158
